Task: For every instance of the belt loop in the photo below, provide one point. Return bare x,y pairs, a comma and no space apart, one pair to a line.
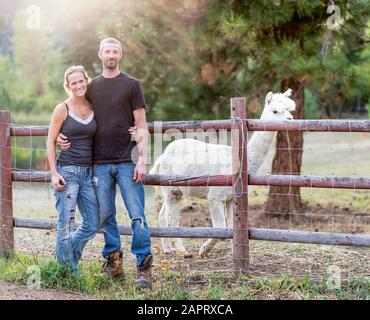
88,170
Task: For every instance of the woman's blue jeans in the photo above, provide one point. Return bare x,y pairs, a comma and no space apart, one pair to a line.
106,177
79,191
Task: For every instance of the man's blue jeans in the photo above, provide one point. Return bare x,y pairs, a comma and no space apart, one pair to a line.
79,191
106,177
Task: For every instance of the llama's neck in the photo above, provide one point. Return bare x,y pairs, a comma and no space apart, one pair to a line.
259,146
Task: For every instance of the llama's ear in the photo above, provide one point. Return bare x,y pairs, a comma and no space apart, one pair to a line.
268,98
288,93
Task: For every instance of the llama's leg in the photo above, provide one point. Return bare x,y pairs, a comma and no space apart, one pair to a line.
173,206
229,213
217,211
162,218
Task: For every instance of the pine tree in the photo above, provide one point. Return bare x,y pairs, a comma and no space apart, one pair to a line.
288,44
80,33
162,51
195,55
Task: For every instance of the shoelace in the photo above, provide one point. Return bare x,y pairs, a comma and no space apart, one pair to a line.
144,268
108,263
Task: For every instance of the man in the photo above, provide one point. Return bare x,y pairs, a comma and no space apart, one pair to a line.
118,102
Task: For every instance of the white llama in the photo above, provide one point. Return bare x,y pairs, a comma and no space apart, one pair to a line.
189,157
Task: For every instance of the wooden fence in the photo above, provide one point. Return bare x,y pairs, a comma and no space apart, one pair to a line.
241,233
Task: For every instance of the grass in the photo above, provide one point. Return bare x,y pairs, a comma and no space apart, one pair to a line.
177,285
303,287
20,268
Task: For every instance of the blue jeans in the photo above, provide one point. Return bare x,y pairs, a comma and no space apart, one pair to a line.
106,176
79,191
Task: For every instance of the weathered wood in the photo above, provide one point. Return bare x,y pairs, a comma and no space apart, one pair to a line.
35,224
29,131
154,127
340,239
252,125
126,230
239,234
226,180
150,179
183,126
310,125
6,196
240,186
163,180
310,181
30,176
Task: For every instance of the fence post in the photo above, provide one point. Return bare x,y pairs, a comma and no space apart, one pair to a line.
6,197
240,184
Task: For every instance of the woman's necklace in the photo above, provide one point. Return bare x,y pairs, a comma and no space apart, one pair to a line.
82,111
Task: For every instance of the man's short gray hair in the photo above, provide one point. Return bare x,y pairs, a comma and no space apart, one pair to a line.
109,40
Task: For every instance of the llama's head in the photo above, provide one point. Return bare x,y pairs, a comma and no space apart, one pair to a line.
278,106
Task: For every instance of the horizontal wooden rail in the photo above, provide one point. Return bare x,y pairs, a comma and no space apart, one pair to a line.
30,176
29,131
310,181
310,125
226,180
341,239
126,230
150,179
162,180
154,127
252,125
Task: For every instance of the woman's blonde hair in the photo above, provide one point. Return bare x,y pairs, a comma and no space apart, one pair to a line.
71,70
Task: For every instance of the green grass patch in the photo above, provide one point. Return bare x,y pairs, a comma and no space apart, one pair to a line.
305,288
176,285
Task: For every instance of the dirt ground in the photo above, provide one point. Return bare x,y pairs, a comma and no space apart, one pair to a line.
269,258
10,291
266,258
319,218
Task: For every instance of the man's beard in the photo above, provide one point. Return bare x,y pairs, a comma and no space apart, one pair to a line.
111,64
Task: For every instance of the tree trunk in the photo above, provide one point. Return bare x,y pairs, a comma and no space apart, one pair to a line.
286,200
327,110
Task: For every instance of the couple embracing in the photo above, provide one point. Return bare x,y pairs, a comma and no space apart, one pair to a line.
93,128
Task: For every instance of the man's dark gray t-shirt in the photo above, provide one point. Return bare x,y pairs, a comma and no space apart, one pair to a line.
113,101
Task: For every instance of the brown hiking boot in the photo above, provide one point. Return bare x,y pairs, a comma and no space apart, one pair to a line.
113,266
144,274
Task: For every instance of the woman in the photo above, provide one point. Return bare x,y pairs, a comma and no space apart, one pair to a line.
71,172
